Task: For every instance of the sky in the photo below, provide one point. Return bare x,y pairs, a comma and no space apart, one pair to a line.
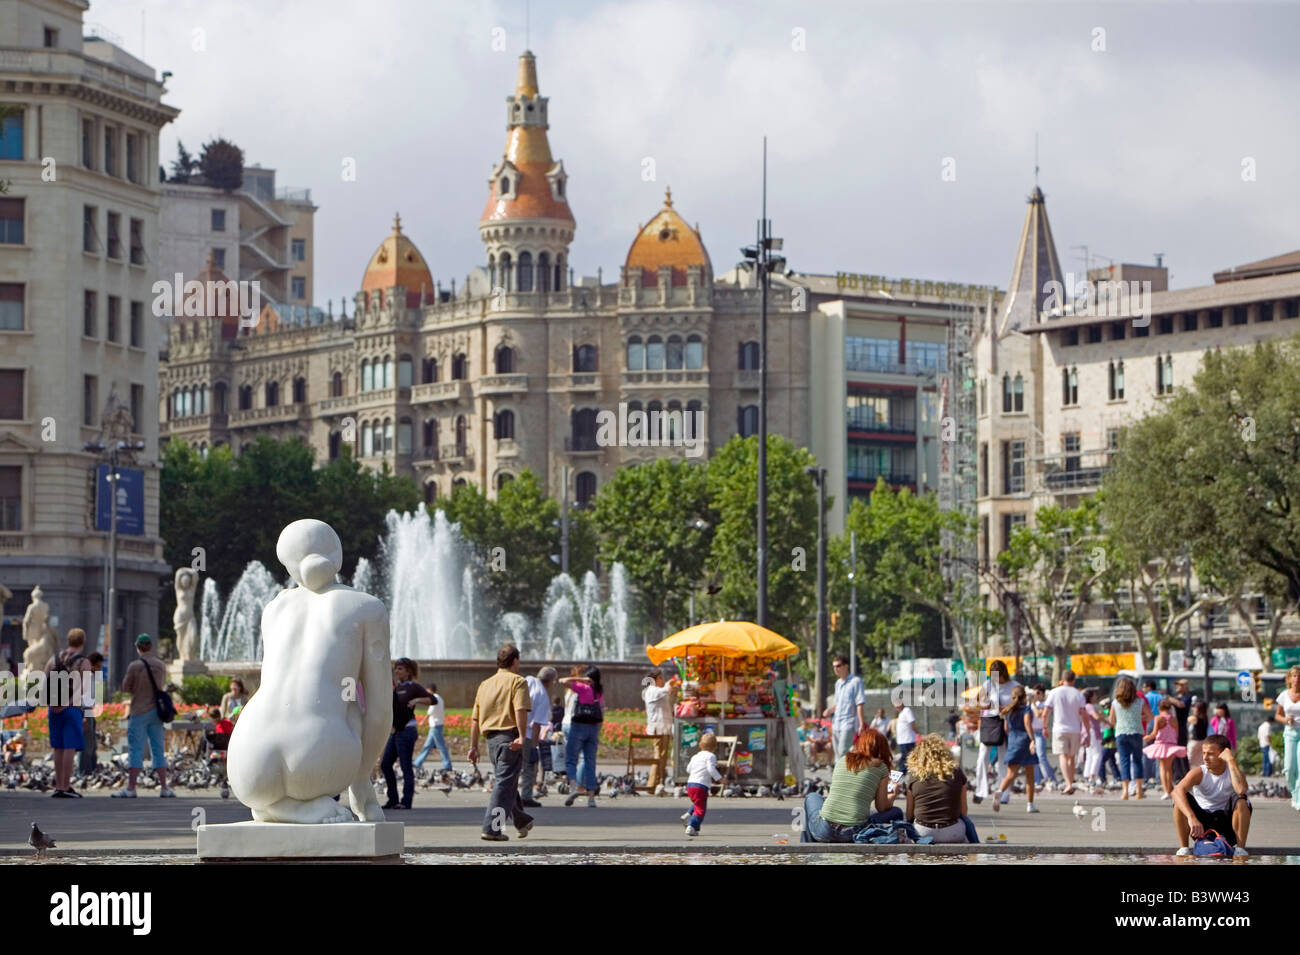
901,137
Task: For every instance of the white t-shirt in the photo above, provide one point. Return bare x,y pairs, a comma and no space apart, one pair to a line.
1066,702
1037,710
1265,734
658,714
541,712
996,695
905,728
848,695
437,711
1290,707
703,768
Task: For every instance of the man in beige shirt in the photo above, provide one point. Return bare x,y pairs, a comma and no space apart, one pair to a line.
143,723
501,708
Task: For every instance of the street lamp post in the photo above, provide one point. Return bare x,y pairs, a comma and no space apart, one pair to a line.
699,524
853,603
818,474
564,521
110,555
1207,632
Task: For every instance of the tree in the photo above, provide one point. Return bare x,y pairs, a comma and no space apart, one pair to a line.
647,517
183,165
222,165
792,534
1054,565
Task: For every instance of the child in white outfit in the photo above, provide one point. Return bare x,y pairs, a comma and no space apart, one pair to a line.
702,771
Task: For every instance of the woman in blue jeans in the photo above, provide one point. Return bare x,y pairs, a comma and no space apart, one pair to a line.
584,734
1129,712
401,741
859,781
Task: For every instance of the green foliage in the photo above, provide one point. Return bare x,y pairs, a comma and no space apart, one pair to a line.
183,165
647,517
205,689
222,165
792,534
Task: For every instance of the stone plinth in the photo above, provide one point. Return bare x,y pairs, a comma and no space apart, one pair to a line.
178,670
282,840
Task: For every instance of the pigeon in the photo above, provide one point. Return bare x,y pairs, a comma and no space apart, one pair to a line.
1079,811
445,790
39,841
660,790
679,792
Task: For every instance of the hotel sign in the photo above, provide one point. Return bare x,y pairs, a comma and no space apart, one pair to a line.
859,282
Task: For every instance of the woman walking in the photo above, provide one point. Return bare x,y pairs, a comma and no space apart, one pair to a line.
1095,750
1224,725
1164,746
1021,757
1198,727
936,793
1288,716
584,734
407,694
994,695
1129,712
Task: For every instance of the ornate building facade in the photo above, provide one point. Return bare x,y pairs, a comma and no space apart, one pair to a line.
511,370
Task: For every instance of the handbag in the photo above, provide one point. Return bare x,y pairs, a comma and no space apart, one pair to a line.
588,712
162,700
992,731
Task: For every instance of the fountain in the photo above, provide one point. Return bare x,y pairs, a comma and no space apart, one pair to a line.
424,577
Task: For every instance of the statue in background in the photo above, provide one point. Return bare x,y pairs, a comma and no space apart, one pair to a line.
183,621
42,643
322,714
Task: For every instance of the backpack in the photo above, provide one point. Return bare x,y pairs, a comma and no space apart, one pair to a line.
161,698
1212,845
60,666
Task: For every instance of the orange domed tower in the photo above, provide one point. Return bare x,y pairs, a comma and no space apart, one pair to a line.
527,225
398,262
666,240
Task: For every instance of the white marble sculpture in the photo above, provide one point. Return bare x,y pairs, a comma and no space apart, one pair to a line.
42,644
324,709
183,622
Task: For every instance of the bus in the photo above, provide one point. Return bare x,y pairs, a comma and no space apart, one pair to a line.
1223,683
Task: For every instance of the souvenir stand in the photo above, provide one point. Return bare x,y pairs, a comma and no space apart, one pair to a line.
730,684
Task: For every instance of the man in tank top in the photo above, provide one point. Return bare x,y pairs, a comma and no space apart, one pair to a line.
1213,796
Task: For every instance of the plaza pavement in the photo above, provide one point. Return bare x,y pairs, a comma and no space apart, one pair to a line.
442,823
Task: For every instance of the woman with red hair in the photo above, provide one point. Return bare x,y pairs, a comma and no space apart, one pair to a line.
859,781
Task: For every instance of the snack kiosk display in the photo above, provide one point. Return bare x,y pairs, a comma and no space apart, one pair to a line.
729,684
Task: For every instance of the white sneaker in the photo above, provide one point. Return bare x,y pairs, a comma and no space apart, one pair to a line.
124,794
166,793
1164,796
1006,796
692,832
1183,851
686,815
1031,808
591,802
1240,851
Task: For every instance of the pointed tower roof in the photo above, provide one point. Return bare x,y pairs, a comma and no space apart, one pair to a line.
667,240
397,262
527,183
1036,264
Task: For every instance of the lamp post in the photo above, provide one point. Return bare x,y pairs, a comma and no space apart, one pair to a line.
853,603
1207,632
701,525
818,474
564,521
110,555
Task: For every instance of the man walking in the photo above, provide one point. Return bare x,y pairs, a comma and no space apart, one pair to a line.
539,717
904,733
501,710
1182,700
1065,720
658,697
144,677
849,709
90,755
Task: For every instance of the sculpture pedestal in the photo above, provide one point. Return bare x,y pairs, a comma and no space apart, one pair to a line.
178,670
282,840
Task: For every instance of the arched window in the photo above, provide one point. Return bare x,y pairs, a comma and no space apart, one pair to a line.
747,421
654,353
405,436
492,271
367,440
429,370
388,436
388,373
1006,394
672,427
367,375
203,399
405,372
525,271
505,274
694,352
505,425
272,394
543,272
504,360
635,354
673,353
585,358
693,425
1018,394
336,444
1070,386
430,439
336,385
748,356
559,282
460,436
459,482
505,180
458,366
654,413
300,391
583,437
219,396
430,492
585,488
245,397
504,478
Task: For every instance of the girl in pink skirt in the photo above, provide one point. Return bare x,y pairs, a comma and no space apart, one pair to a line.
1164,731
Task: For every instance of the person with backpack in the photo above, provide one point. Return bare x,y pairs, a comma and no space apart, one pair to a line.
144,722
69,680
1211,798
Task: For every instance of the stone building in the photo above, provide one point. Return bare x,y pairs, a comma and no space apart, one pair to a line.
78,349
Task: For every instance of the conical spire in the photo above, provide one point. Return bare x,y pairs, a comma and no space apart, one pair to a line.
526,85
1036,265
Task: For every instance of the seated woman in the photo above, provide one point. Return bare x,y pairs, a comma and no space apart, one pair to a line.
936,793
860,778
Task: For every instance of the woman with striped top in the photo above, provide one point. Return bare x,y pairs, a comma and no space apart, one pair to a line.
859,781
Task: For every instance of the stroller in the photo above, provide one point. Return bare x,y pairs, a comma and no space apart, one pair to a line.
218,743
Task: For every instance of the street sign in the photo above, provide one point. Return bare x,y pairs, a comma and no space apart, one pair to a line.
1284,657
130,500
1244,679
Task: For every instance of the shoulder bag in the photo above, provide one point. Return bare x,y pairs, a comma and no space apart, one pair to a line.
161,698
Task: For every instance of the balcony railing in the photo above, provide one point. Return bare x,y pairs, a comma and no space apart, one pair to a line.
426,454
337,403
583,381
513,383
1075,479
745,380
675,376
581,444
278,414
456,454
454,390
901,426
891,477
890,367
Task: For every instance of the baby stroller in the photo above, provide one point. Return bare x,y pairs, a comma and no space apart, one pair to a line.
217,745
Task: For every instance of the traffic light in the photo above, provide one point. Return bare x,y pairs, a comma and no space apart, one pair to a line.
1259,684
835,619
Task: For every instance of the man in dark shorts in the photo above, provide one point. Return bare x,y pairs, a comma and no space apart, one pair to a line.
1213,796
